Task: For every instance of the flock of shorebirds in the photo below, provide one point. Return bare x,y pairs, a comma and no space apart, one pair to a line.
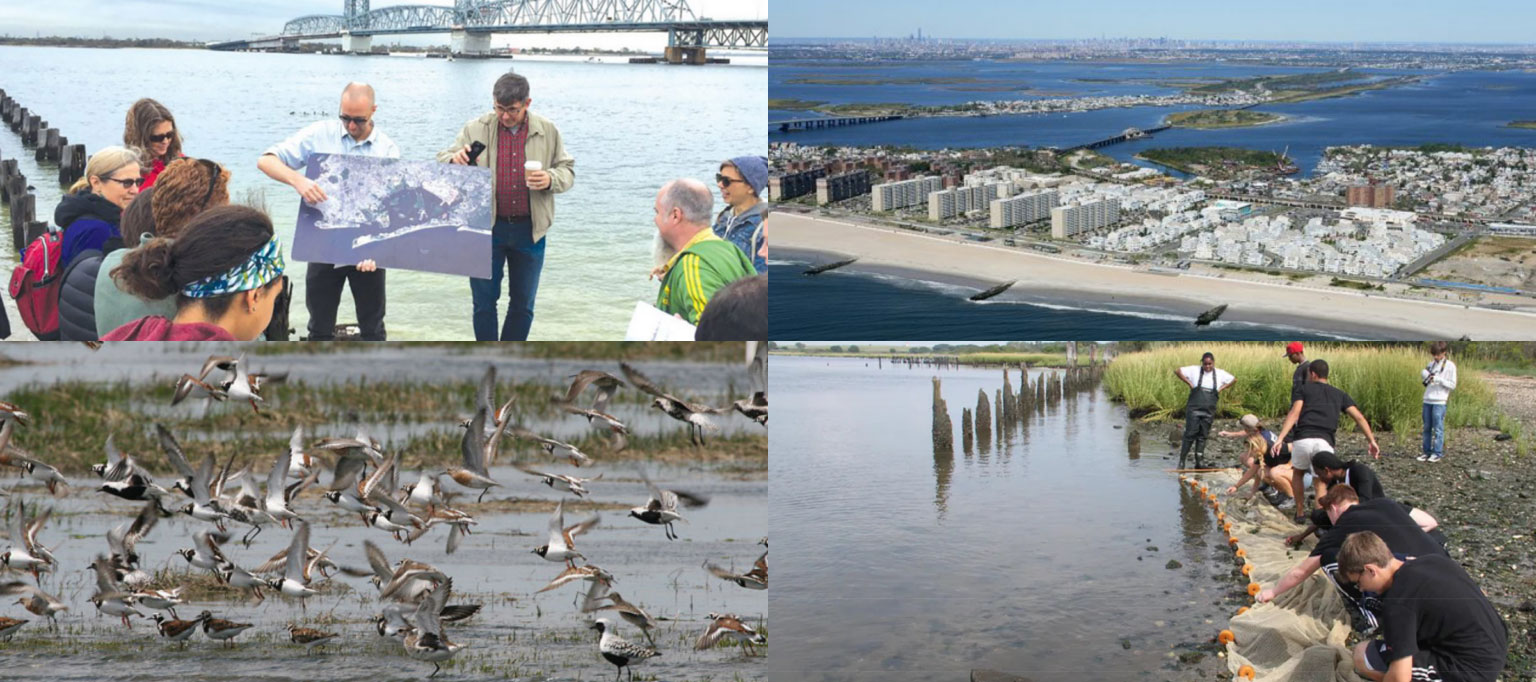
365,479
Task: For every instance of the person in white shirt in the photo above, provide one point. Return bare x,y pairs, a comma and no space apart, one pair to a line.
1206,383
351,132
1439,379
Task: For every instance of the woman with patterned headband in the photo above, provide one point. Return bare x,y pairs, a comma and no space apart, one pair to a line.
225,270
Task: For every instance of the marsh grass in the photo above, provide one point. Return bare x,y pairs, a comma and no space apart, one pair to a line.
70,418
1384,382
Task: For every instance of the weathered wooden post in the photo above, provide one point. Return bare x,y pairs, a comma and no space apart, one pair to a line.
23,212
71,164
48,144
943,428
965,430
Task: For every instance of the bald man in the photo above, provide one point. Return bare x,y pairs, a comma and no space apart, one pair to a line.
351,132
693,262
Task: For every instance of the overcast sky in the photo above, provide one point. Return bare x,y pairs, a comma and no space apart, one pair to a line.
233,19
1451,21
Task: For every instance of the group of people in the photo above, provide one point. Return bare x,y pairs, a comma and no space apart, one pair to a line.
152,250
1387,559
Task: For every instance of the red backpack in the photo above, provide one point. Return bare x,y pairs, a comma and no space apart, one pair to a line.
35,285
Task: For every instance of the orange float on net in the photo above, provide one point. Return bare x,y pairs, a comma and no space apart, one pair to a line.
1226,637
1242,610
1247,569
1254,589
1232,540
1227,527
1245,672
1241,553
1220,516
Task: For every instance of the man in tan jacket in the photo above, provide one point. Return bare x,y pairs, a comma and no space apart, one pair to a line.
529,167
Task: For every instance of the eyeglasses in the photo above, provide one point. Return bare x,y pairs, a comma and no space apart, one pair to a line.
157,139
354,120
126,182
514,109
724,181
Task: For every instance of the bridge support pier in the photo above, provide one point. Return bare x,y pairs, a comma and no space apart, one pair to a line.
357,44
473,44
685,55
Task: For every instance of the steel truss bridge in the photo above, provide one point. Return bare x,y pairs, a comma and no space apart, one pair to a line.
481,18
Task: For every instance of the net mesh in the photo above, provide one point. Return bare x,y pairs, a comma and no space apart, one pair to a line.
1302,635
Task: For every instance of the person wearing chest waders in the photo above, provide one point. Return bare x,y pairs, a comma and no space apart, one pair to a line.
1206,383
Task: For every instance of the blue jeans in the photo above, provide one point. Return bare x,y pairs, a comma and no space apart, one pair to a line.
512,250
1434,429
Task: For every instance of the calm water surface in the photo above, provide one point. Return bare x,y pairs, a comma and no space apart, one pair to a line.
629,127
1032,555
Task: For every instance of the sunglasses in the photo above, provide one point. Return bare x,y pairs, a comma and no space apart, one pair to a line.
157,139
214,171
126,182
354,120
724,181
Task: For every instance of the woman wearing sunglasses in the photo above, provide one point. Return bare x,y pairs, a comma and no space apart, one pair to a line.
187,188
93,208
152,128
225,271
741,180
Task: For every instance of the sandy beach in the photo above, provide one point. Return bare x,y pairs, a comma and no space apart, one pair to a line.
1046,279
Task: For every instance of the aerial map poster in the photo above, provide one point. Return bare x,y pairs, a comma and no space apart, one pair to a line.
413,215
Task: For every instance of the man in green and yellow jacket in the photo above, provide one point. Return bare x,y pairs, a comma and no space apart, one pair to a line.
694,262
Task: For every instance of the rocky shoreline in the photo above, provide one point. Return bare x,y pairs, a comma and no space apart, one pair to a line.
1483,494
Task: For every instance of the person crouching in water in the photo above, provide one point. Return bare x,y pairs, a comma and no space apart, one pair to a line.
225,270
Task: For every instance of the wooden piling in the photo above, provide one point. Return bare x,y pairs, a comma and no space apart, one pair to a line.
965,430
943,428
23,213
71,164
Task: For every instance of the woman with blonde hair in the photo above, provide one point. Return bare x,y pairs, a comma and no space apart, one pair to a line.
92,210
1258,464
186,189
151,127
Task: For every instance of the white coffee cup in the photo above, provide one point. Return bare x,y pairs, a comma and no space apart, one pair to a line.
529,166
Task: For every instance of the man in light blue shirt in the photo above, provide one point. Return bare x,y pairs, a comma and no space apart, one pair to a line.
353,132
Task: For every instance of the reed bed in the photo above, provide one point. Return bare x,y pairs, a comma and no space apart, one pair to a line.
1384,382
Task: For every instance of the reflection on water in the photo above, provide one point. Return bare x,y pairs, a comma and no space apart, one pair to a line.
995,561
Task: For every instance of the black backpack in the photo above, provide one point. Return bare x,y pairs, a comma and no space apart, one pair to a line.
77,297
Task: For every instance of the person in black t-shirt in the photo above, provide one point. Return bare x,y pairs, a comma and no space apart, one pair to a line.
1315,417
1436,623
1298,357
1388,518
1327,467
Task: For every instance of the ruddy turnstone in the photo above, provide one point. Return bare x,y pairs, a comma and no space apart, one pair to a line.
562,482
296,574
244,386
597,415
300,462
661,508
242,579
161,600
220,629
695,415
11,455
587,572
280,493
177,630
555,448
26,553
110,598
474,448
755,579
725,626
35,600
204,505
632,614
618,650
560,546
204,552
178,459
309,637
426,641
9,626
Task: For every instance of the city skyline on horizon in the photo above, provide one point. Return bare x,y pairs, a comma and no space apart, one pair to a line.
1480,22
